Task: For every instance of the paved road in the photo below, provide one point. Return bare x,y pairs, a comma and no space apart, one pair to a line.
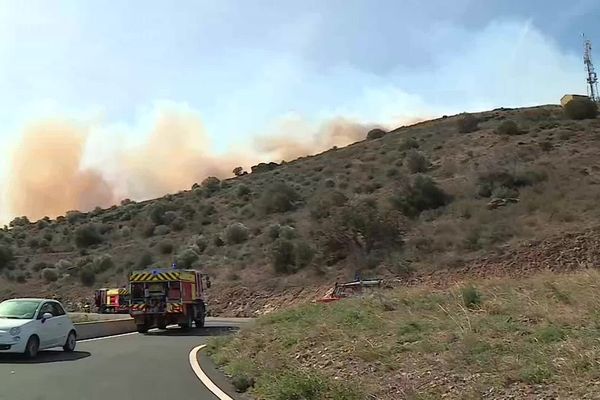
144,367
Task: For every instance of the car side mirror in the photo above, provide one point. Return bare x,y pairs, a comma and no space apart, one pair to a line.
46,316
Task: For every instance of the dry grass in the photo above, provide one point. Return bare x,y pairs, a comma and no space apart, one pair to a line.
532,337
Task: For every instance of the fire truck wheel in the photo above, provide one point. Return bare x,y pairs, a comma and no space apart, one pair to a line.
200,317
187,324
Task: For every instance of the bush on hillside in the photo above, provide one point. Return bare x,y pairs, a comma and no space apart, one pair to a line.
376,134
157,212
360,229
416,162
581,109
239,171
236,233
21,277
283,256
50,274
508,127
277,198
102,263
322,204
87,235
409,143
467,123
287,232
165,247
87,276
186,258
19,221
420,195
74,216
145,260
178,224
243,191
162,230
304,254
211,184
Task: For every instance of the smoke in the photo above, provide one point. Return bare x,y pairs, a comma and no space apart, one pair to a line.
293,137
45,175
57,166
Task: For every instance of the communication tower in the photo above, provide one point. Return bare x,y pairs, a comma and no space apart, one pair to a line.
592,78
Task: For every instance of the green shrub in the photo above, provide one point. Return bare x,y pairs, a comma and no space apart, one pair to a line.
50,274
145,260
508,127
376,134
322,204
178,224
165,247
211,184
37,267
273,231
283,256
423,194
87,276
148,229
304,254
103,263
6,256
199,241
161,230
471,297
236,233
467,123
581,109
87,235
157,212
169,217
243,190
34,243
416,162
186,258
287,232
409,143
74,216
278,197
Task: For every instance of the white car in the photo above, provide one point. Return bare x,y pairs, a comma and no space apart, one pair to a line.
30,325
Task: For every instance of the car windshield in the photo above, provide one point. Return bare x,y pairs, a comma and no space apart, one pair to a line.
18,309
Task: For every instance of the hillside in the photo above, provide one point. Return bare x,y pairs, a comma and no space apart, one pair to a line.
502,338
451,197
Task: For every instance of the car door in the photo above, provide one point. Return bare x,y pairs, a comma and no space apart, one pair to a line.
63,324
48,329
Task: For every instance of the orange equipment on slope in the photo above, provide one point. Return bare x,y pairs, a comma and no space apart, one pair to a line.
348,289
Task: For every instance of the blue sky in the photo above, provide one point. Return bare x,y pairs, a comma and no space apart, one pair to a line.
242,66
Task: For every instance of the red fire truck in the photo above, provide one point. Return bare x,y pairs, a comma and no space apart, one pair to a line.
166,297
112,300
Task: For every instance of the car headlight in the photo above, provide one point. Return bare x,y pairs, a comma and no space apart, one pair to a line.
14,331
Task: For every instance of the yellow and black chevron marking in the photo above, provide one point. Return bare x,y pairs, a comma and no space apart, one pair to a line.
123,292
151,277
174,308
138,307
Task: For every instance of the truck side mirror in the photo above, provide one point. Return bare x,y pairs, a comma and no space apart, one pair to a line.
208,282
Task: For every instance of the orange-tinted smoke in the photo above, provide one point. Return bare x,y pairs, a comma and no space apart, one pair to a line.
335,132
47,179
45,176
176,155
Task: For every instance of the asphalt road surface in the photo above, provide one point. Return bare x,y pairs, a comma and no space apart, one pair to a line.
135,366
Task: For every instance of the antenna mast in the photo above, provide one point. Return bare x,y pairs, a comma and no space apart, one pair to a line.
592,78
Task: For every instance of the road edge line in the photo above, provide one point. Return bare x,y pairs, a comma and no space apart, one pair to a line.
210,385
106,337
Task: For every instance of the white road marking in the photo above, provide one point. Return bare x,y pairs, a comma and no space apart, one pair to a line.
107,337
210,385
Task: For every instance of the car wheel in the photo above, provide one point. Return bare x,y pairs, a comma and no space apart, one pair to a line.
71,342
33,347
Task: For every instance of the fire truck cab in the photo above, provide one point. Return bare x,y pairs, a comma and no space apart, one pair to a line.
166,297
